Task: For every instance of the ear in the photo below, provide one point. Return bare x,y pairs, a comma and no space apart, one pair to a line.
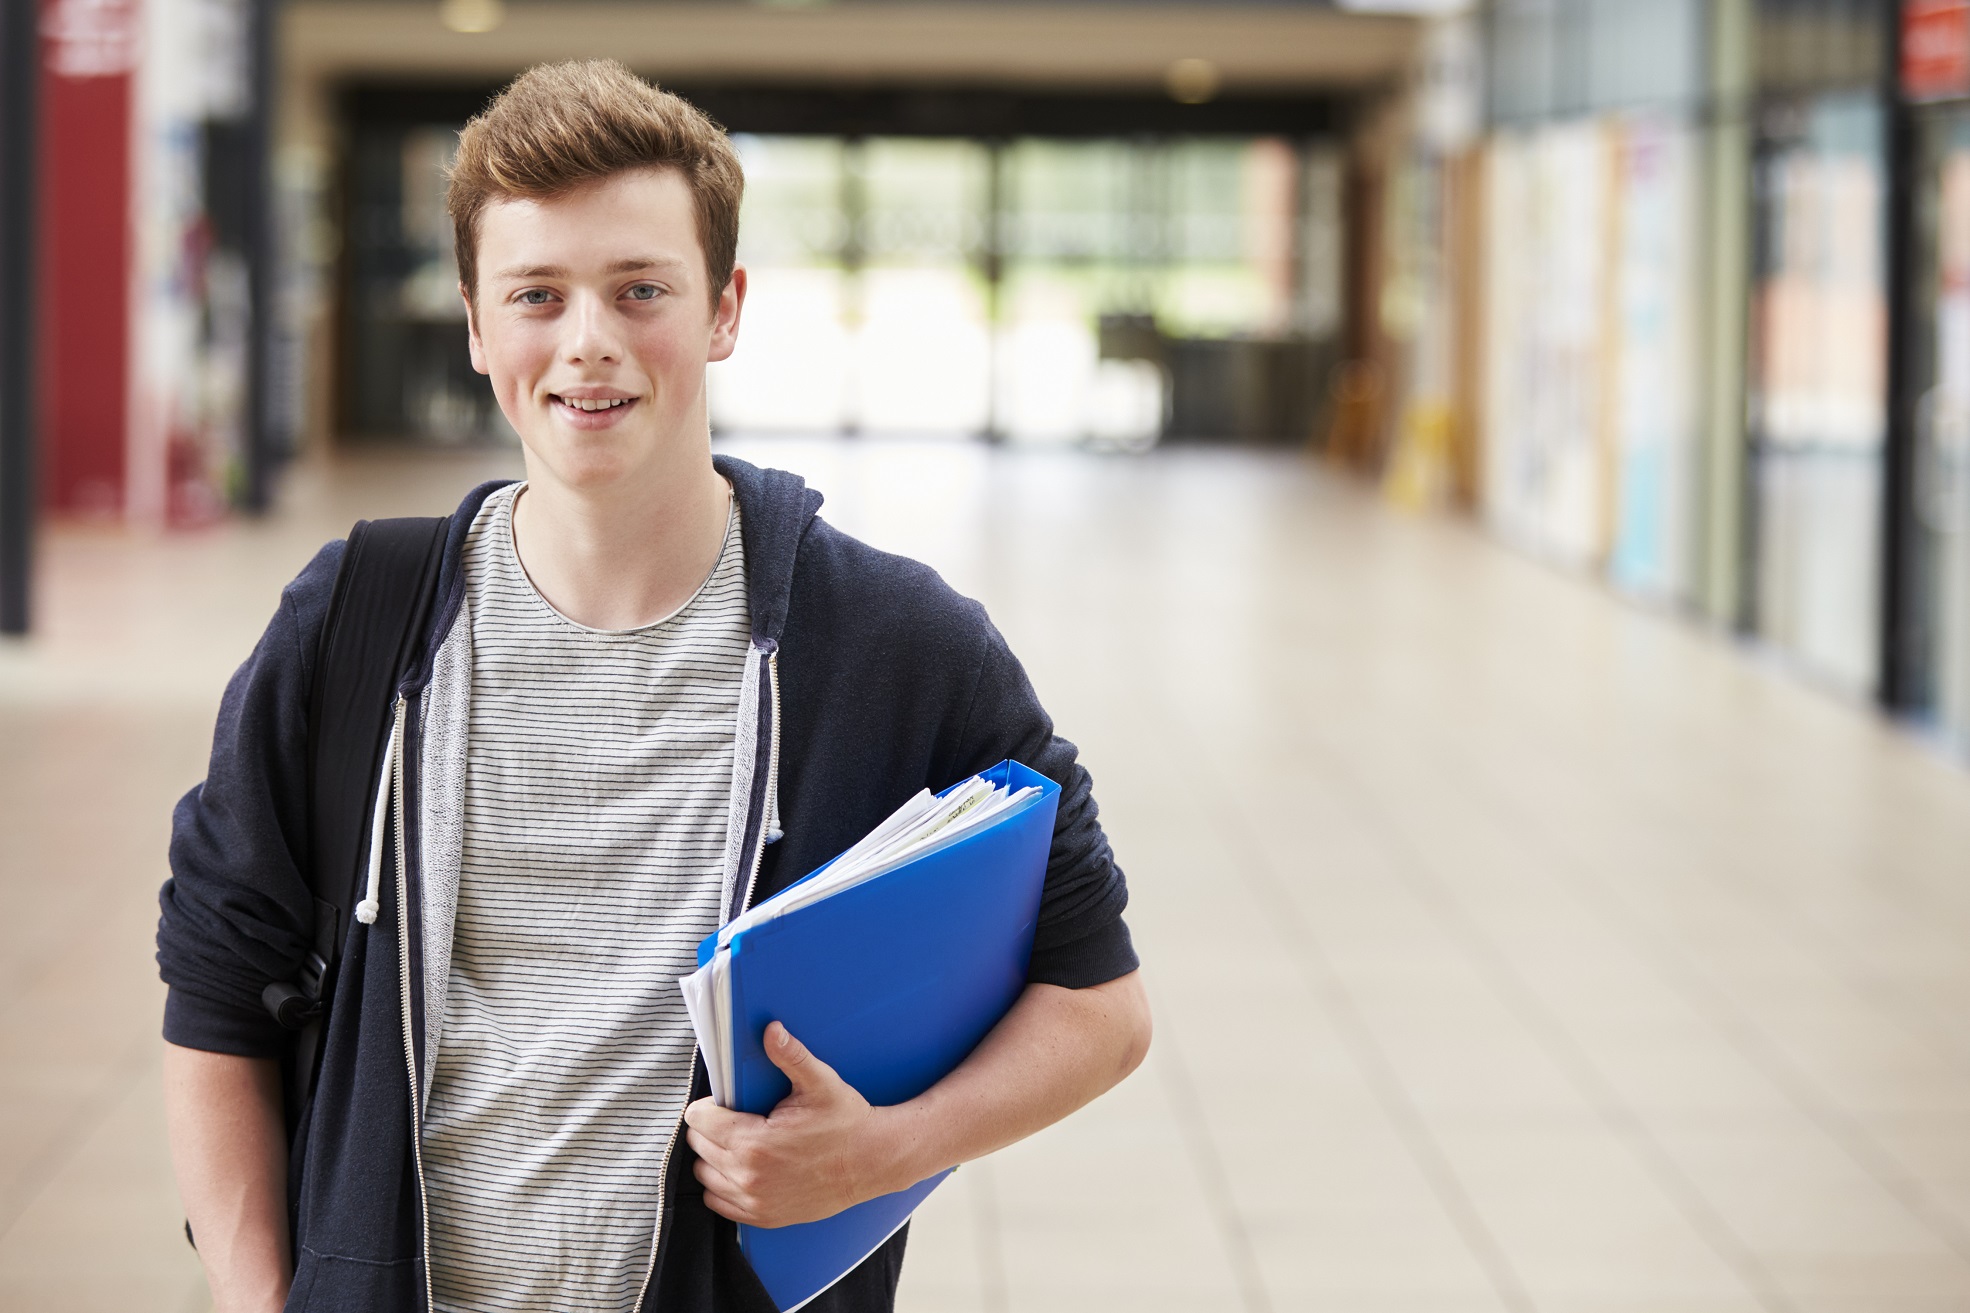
472,341
725,317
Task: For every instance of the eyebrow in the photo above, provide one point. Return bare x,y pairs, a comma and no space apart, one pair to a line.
628,266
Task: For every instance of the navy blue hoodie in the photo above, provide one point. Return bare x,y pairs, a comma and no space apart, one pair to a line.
886,682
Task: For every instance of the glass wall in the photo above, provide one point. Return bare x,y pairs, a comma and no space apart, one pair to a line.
860,253
1040,291
1032,290
1818,337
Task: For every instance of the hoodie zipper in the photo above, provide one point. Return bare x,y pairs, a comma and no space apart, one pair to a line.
396,787
772,798
769,809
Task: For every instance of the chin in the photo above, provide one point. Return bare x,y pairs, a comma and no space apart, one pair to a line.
589,460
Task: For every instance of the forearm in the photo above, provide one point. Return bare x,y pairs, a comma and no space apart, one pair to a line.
1056,1051
229,1146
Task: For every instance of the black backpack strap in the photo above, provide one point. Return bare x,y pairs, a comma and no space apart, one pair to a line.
376,617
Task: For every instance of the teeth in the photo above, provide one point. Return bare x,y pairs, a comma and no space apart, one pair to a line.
596,403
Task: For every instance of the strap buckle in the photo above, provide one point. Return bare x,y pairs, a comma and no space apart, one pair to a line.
295,1003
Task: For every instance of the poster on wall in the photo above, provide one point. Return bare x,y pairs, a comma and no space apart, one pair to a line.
1546,274
1653,354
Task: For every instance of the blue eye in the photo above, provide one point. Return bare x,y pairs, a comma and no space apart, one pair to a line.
643,292
536,296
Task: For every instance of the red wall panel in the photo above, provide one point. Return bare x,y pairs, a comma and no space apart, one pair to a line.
88,49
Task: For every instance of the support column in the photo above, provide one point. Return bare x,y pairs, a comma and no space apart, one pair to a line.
1904,638
992,262
263,435
20,58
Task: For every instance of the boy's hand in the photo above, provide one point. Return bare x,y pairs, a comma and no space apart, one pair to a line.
822,1149
825,1149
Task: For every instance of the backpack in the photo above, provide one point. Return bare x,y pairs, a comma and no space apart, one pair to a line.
377,612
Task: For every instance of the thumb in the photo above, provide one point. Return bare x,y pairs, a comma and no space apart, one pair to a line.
808,1073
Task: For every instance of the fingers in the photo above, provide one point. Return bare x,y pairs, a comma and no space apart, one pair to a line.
721,1126
707,1149
721,1196
785,1051
732,1158
809,1074
725,1196
727,1208
715,1181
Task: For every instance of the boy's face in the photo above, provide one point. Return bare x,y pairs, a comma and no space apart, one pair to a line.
600,298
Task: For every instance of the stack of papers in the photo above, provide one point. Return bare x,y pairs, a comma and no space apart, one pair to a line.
925,824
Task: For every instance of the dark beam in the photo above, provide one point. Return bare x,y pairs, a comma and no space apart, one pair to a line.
901,111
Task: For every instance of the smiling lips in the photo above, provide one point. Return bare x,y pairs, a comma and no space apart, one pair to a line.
594,403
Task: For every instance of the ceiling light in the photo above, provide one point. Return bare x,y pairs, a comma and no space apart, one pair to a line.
1192,81
471,16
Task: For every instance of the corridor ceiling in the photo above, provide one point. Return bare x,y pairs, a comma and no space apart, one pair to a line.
1261,49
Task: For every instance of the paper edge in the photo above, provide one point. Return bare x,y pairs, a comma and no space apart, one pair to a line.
695,989
955,832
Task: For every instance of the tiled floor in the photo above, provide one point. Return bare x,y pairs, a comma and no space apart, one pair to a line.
1512,947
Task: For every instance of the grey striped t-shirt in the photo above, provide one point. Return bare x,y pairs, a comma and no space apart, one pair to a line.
597,783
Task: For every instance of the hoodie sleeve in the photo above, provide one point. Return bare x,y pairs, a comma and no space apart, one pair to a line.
1082,939
236,913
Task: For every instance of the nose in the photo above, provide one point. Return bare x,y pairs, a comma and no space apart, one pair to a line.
592,337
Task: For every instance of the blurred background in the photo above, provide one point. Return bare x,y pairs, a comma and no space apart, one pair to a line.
1487,484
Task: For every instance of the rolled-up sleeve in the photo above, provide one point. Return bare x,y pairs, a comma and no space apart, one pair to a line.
236,913
1082,939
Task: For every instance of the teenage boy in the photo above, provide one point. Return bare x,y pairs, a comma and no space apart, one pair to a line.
655,688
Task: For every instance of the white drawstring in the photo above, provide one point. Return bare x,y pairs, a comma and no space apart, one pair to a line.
372,903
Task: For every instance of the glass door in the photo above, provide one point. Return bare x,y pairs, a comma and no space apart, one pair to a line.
1818,385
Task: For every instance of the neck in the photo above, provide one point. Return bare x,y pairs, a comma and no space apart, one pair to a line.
628,552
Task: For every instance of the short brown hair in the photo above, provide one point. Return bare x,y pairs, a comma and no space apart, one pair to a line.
560,125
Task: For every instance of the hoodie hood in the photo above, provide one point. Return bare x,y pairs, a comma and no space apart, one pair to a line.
775,510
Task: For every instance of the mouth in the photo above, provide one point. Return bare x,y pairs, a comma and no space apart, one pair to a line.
586,407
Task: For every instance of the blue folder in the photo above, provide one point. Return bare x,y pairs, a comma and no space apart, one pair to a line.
892,983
